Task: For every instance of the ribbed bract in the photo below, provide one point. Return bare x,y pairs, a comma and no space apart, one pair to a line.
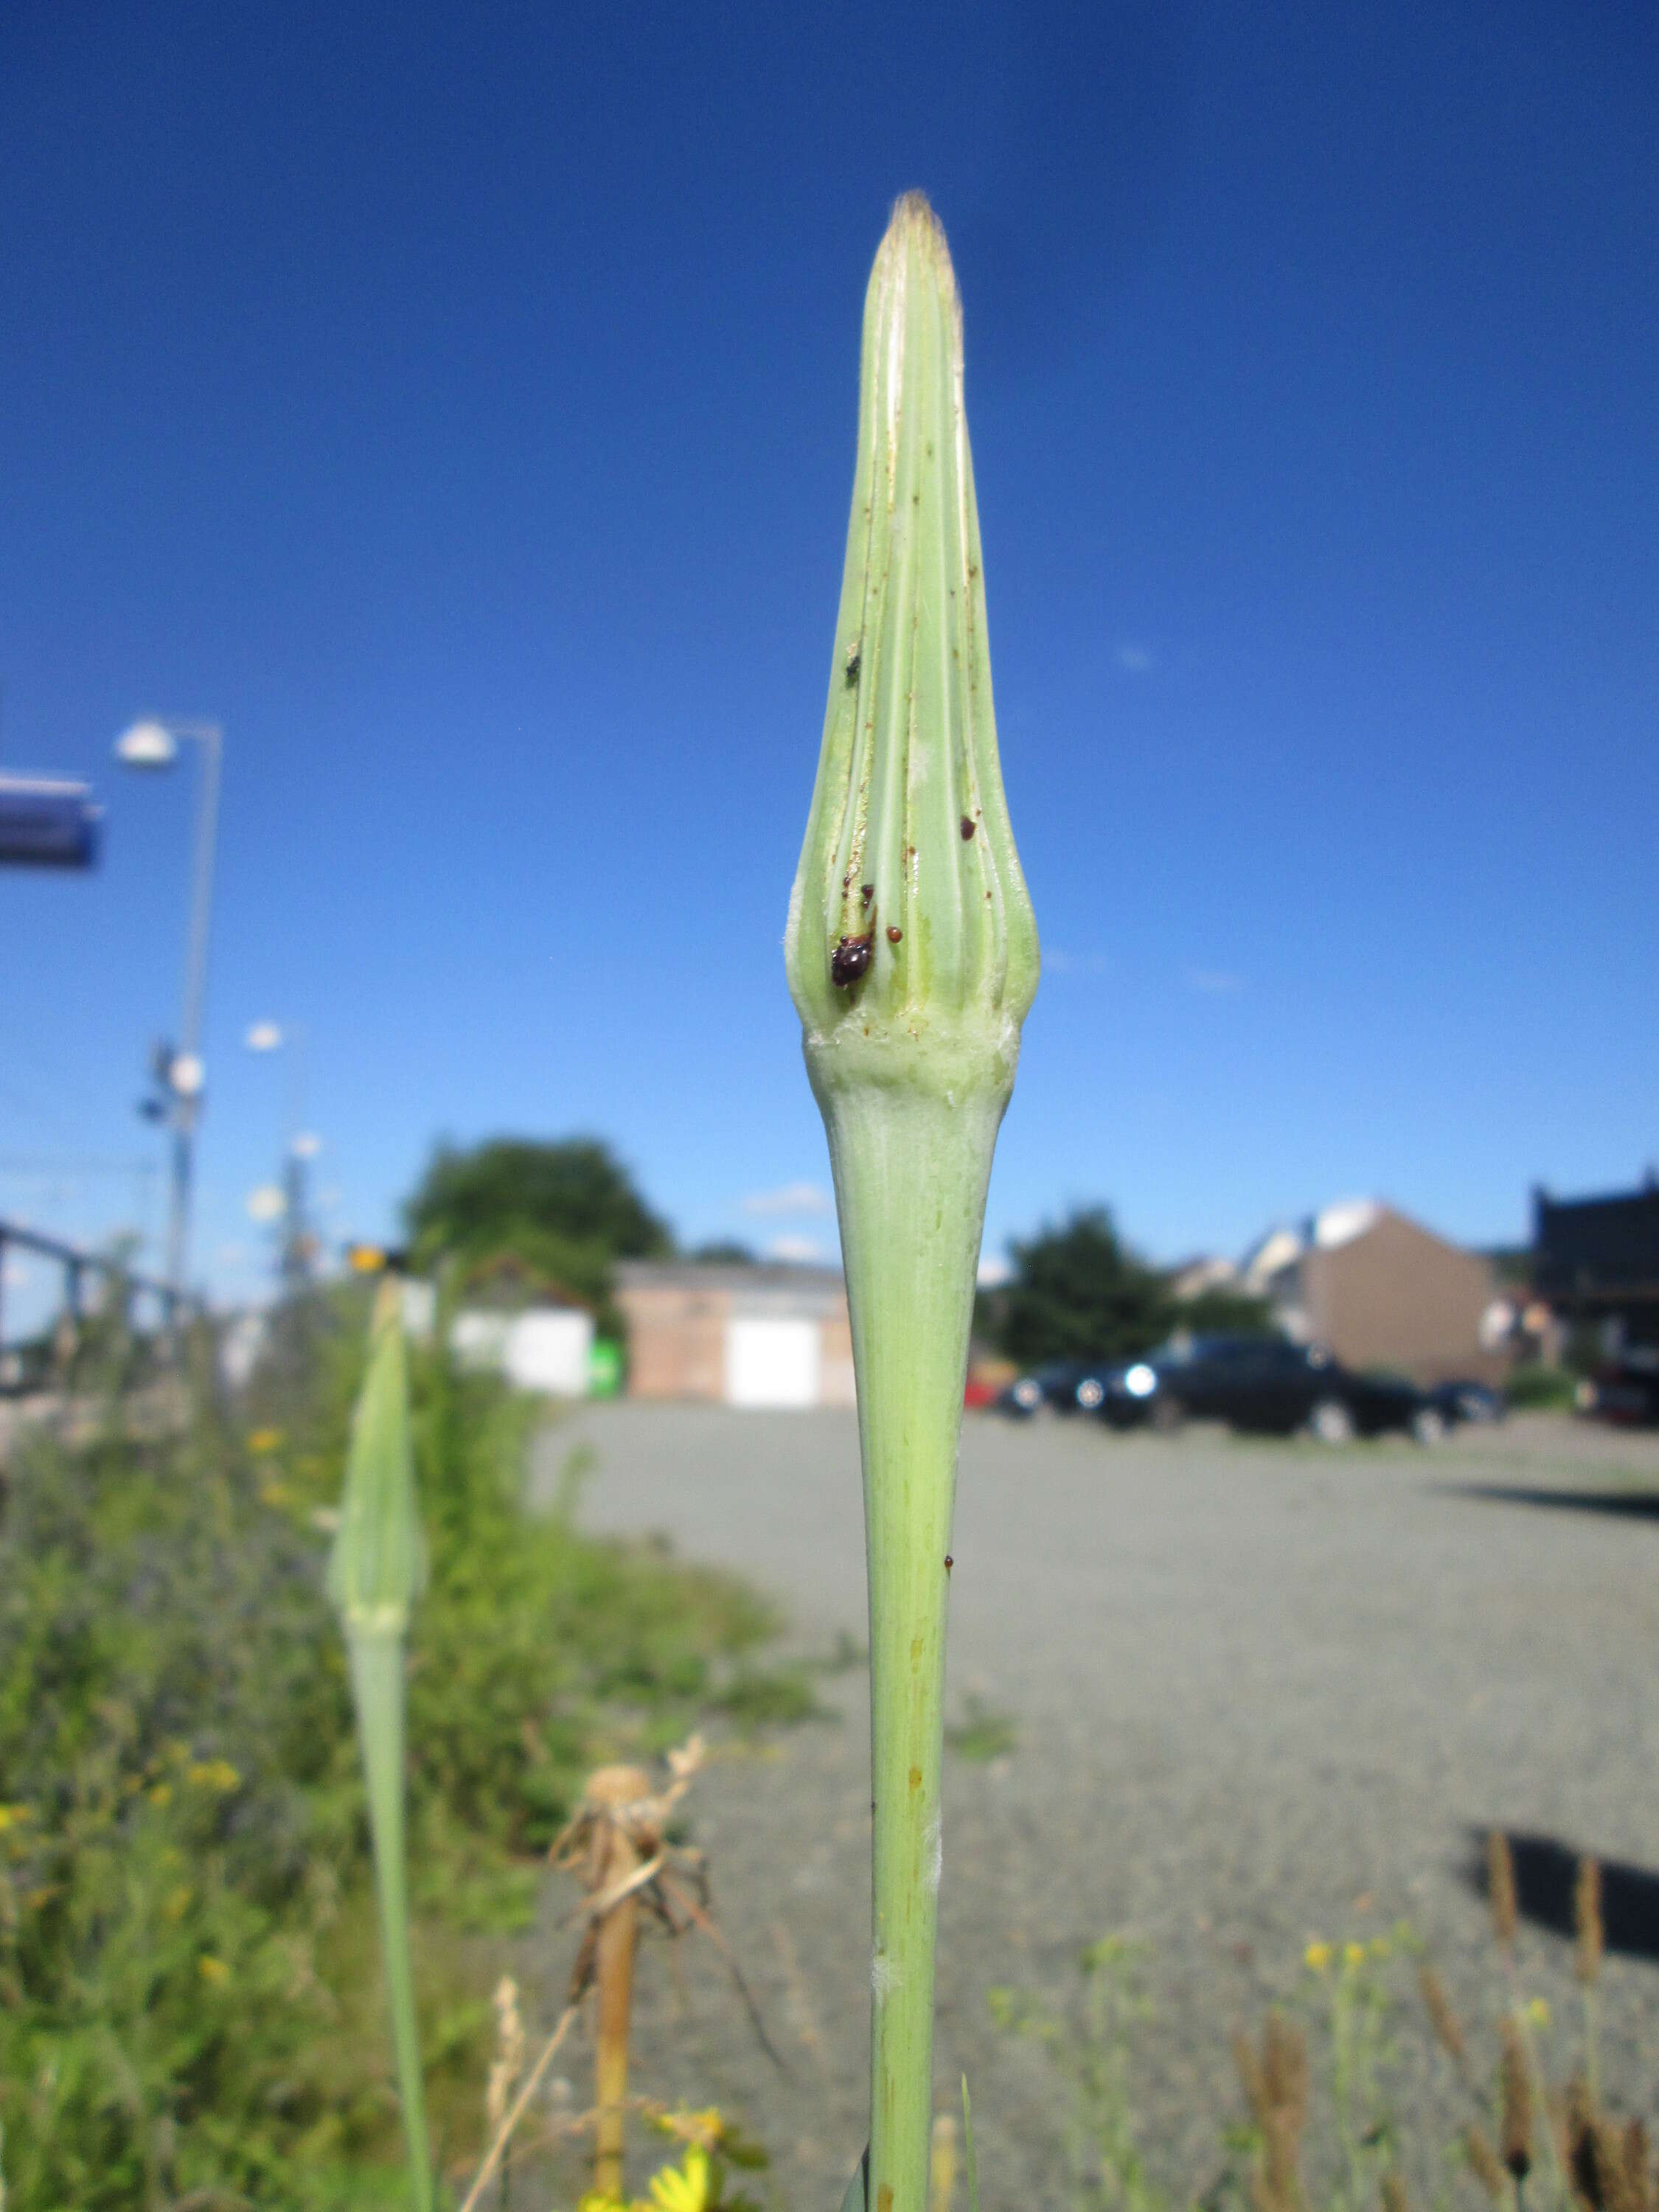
378,1566
908,902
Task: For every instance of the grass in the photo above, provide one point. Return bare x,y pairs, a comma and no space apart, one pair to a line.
1328,2082
982,1734
190,2000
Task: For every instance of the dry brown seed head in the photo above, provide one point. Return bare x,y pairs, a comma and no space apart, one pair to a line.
1514,2137
1500,1886
1448,2029
1249,2076
1285,2068
1587,1920
1639,2187
1486,2164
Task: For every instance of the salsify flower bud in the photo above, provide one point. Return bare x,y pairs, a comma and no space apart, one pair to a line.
375,1571
378,1566
910,911
912,958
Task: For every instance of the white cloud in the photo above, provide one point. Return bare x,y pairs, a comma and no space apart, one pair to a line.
798,1251
1214,983
994,1270
1135,660
792,1197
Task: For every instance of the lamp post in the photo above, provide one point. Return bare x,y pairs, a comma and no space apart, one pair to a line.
149,745
299,1146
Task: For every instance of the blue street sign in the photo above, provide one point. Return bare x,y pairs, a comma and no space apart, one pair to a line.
47,822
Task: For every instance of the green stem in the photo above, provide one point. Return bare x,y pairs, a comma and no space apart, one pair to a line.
912,1160
377,1683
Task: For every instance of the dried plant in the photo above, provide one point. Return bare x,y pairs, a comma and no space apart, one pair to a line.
1515,2087
1500,1889
1587,1920
1486,2164
1275,2081
1448,2028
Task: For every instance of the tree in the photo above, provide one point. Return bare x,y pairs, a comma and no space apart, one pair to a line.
566,1212
1078,1292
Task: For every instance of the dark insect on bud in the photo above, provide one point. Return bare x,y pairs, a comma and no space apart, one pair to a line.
949,1562
849,959
894,932
967,827
866,892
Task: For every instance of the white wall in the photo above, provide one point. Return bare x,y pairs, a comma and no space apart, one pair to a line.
772,1363
546,1348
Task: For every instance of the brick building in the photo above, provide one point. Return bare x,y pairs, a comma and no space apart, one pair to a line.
1382,1293
737,1335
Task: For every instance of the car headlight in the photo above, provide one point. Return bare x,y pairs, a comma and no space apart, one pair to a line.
1140,1381
1089,1392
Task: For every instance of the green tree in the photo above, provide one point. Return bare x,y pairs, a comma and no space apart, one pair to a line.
1078,1292
564,1211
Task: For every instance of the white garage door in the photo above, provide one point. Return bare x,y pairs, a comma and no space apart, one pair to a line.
772,1363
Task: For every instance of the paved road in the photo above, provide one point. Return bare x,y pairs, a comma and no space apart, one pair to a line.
1261,1693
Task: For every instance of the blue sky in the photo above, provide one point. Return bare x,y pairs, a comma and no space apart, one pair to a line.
459,405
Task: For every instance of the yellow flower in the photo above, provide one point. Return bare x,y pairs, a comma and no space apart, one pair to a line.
215,1774
597,2201
1353,1954
214,1971
177,1902
261,1440
12,1816
1381,1946
706,2127
1318,1956
274,1493
1536,2012
162,1794
682,2188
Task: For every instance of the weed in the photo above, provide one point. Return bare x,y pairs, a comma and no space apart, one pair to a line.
981,1734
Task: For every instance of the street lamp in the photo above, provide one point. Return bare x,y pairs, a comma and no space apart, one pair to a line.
299,1146
154,744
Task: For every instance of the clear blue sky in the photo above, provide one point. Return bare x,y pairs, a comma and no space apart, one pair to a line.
459,405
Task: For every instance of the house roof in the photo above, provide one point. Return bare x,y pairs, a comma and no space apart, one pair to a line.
725,1275
1597,1247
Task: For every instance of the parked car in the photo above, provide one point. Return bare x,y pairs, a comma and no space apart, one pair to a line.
1054,1386
1263,1384
1470,1402
1628,1395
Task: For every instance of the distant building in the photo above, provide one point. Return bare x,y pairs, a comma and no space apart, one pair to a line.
548,1349
737,1335
1382,1292
1595,1261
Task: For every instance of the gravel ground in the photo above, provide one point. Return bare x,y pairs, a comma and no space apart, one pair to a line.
1262,1693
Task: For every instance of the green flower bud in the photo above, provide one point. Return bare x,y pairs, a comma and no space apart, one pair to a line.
910,920
378,1566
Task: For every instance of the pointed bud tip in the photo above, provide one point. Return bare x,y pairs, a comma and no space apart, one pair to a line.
913,228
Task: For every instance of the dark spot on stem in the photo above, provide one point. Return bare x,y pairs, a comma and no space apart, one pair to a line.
967,827
866,892
894,932
949,1562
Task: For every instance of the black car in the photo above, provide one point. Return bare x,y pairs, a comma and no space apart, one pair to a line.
1054,1386
1263,1384
1625,1394
1468,1401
